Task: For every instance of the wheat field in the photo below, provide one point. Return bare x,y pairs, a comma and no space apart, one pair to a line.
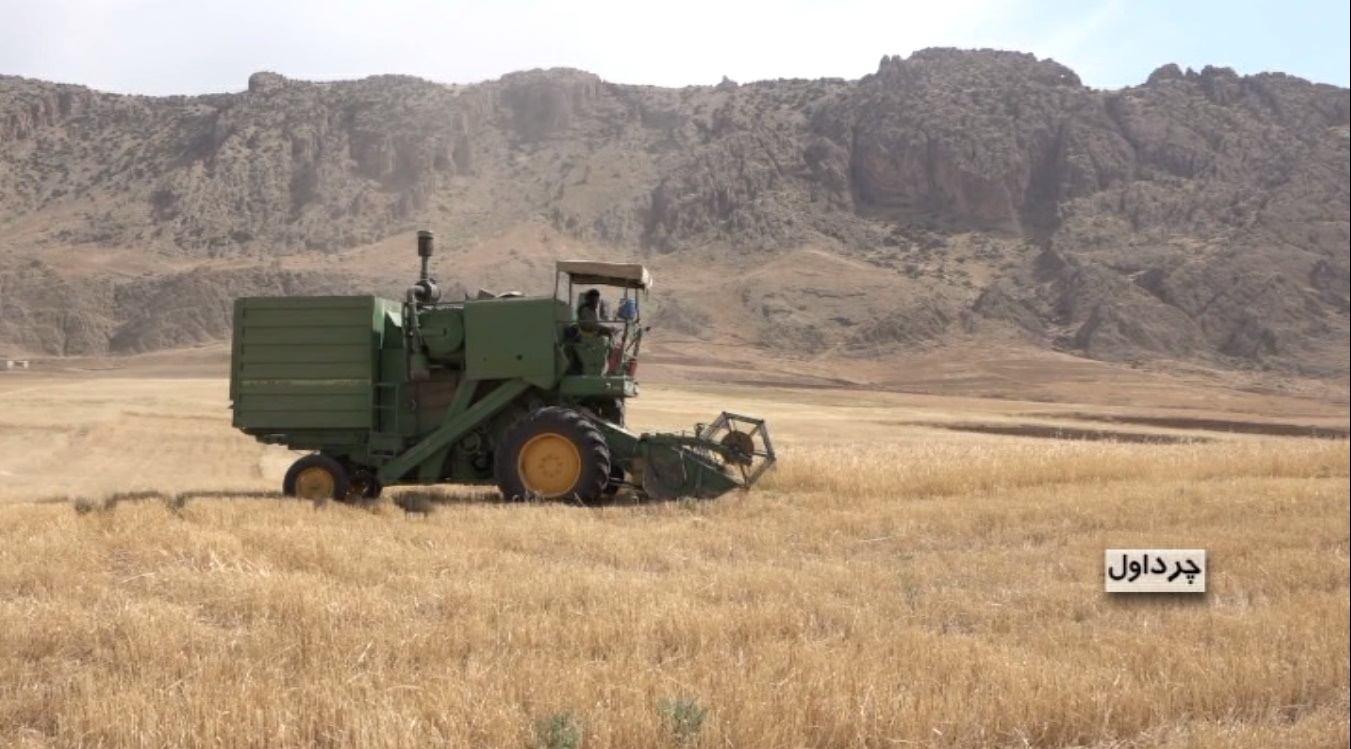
888,585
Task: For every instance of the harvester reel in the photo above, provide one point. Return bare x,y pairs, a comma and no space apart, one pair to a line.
745,442
742,447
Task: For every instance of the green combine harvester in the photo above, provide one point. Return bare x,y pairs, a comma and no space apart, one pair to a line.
527,393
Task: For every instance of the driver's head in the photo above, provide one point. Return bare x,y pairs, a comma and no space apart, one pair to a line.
592,296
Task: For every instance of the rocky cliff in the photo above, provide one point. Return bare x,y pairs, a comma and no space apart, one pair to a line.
1199,215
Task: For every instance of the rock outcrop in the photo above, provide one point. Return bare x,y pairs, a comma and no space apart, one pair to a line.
45,313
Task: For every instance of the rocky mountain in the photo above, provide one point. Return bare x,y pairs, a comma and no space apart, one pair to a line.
1199,216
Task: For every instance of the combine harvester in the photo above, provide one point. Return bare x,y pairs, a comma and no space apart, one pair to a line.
501,389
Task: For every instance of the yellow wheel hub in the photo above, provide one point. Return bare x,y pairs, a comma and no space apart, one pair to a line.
550,464
315,483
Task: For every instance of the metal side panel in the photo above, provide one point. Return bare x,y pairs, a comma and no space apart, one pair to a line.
306,362
457,423
512,338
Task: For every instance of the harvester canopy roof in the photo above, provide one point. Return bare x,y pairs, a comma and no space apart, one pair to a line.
628,275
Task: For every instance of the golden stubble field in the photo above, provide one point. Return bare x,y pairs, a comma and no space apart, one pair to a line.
892,584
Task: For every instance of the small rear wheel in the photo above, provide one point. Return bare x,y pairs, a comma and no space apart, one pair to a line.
318,478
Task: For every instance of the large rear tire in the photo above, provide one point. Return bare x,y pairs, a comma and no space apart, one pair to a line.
318,478
553,453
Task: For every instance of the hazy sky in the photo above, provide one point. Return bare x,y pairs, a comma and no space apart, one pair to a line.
193,46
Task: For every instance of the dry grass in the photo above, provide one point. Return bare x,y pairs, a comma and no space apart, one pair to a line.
881,593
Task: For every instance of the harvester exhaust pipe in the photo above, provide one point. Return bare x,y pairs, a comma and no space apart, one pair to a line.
425,240
423,291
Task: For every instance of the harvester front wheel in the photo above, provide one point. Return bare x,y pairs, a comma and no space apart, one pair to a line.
553,453
318,478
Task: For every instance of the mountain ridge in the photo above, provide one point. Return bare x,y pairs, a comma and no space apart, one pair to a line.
1199,216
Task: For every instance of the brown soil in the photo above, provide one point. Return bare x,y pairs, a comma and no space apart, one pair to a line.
1223,425
1063,433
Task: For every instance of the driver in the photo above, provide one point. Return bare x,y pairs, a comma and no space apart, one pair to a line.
590,313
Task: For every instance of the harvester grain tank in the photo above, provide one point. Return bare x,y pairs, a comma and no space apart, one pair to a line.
502,389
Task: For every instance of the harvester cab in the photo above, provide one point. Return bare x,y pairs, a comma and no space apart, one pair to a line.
597,342
527,393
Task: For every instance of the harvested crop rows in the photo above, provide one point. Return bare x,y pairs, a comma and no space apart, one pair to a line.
887,585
